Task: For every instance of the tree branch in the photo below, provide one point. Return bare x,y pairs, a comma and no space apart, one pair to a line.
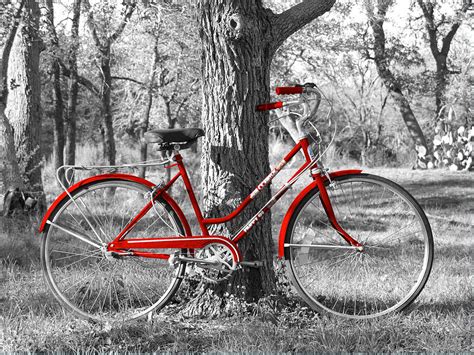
296,17
454,28
428,10
6,53
91,24
129,79
83,81
128,13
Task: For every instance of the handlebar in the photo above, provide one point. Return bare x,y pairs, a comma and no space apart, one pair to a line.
270,106
289,90
309,92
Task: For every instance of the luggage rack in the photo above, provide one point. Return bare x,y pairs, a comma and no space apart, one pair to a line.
69,170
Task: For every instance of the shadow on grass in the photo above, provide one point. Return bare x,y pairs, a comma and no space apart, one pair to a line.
441,307
443,193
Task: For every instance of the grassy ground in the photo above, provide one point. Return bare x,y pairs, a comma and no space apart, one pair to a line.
31,320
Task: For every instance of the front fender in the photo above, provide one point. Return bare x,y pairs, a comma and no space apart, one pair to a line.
105,177
297,200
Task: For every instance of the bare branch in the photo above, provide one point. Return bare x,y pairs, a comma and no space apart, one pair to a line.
180,106
128,13
428,13
83,81
454,28
129,79
91,24
296,17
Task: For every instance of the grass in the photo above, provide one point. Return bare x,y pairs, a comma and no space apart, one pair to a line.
31,320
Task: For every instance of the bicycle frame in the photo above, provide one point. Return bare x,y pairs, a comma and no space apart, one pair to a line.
120,244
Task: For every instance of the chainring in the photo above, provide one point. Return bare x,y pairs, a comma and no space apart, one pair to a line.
221,255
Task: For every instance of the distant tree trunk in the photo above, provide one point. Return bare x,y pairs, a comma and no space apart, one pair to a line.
441,55
23,104
58,145
239,39
73,87
149,103
9,169
109,140
381,60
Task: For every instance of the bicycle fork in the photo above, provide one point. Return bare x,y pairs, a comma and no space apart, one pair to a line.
326,202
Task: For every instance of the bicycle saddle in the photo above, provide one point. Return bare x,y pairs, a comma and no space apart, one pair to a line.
168,139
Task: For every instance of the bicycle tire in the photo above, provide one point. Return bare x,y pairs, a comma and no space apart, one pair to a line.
386,276
135,286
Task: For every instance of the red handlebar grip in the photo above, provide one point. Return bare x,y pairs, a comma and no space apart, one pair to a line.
289,90
271,106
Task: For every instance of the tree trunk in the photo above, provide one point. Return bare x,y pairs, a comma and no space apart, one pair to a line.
238,40
10,177
59,139
236,78
73,88
389,80
9,169
146,117
441,83
109,139
58,145
23,104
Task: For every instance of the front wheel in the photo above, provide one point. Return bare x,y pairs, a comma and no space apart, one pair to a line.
97,285
383,276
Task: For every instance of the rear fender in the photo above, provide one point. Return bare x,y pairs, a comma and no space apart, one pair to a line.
286,220
105,177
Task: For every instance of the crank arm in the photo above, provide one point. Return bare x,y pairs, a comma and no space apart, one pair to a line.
253,264
194,260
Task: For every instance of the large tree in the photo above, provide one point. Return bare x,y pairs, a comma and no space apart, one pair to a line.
239,39
9,168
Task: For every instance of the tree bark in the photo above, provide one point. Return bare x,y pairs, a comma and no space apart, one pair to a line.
59,139
23,104
239,39
376,19
73,87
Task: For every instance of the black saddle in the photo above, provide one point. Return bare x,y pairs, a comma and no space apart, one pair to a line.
174,139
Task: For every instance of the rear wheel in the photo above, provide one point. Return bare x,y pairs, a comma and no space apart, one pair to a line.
87,279
386,275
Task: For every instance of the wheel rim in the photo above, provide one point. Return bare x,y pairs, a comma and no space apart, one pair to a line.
390,271
94,284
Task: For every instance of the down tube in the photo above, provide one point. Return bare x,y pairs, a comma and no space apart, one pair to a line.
255,219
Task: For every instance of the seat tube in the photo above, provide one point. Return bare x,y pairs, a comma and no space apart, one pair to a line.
192,196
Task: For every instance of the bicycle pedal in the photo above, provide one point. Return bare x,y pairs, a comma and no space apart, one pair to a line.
253,264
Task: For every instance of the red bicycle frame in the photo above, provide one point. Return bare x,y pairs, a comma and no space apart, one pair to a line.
122,245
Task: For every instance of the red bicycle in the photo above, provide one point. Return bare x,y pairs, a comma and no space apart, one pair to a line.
117,247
